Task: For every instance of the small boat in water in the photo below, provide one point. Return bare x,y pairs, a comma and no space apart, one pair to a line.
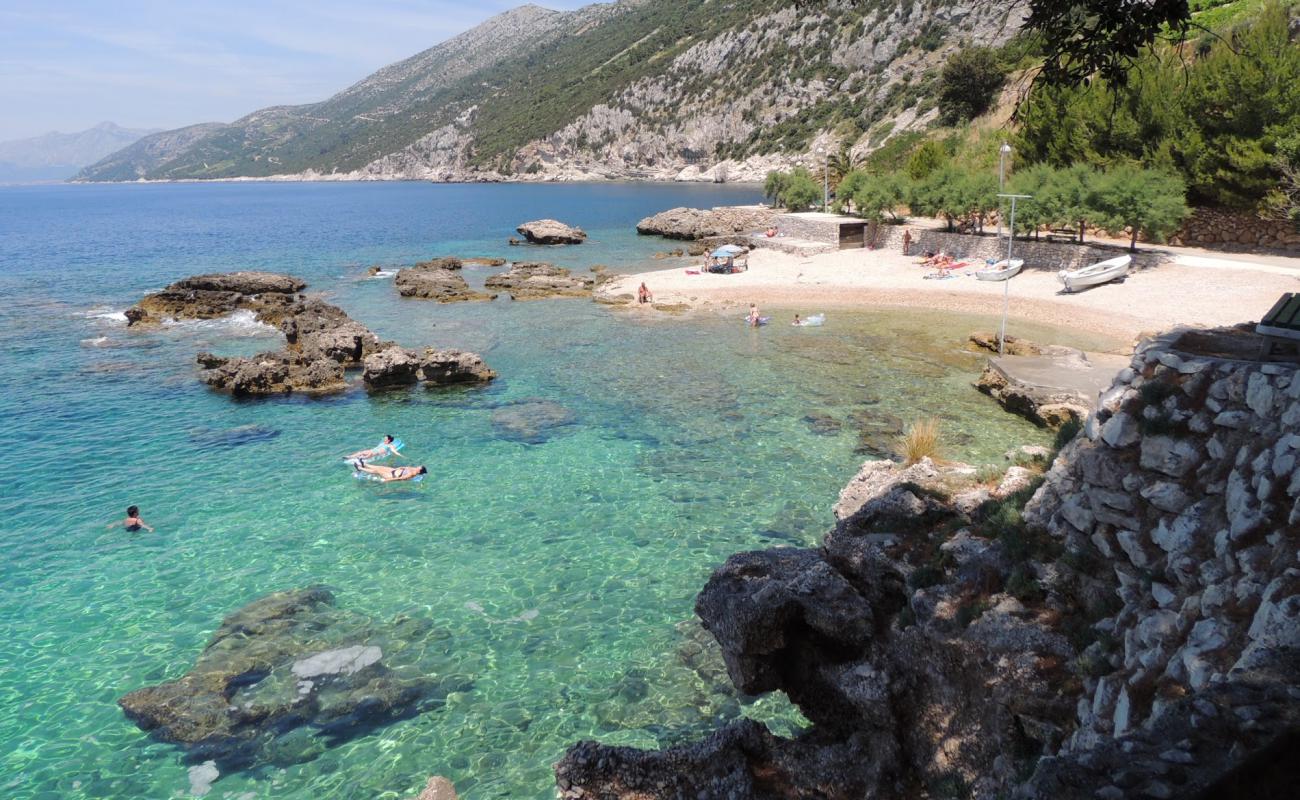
1002,271
1095,274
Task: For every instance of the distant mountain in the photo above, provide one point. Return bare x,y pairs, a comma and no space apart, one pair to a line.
663,89
57,156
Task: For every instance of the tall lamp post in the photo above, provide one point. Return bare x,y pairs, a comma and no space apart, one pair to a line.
826,179
1003,152
1006,284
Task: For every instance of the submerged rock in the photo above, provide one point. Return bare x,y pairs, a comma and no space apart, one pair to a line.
550,231
286,666
531,421
530,280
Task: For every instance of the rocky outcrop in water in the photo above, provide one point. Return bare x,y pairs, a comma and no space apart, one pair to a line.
397,366
704,223
276,372
533,280
288,675
321,340
550,231
439,280
215,295
1134,631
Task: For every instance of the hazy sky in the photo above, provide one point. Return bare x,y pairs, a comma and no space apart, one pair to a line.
66,65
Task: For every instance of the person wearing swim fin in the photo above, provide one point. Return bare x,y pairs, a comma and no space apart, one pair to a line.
388,474
385,447
132,523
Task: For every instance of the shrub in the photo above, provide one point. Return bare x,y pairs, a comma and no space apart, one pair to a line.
968,83
920,441
1022,585
970,611
1149,202
925,576
796,189
1066,434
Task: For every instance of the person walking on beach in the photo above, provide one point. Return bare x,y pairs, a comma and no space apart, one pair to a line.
643,294
388,474
907,240
132,523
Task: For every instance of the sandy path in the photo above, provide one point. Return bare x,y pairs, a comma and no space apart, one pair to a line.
1199,293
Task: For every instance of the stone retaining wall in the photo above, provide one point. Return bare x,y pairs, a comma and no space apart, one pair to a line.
1209,227
1184,493
1037,254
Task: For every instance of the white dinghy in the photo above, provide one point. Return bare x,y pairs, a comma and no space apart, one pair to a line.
1095,274
1002,271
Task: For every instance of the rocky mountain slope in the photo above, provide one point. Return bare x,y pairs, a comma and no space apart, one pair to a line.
1134,631
687,89
55,156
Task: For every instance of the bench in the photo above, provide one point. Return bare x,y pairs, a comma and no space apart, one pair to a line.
1280,329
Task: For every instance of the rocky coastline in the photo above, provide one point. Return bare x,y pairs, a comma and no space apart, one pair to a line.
1126,624
321,341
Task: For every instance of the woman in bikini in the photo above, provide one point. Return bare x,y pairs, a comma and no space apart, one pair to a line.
388,474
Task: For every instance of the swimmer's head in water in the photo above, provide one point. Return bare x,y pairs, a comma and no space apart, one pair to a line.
388,438
423,471
133,511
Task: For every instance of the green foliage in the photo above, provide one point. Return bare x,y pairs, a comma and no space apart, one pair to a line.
877,195
925,576
927,158
1146,201
795,190
968,84
1222,117
1022,585
1066,434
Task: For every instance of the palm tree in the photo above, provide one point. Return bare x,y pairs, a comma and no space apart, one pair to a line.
841,164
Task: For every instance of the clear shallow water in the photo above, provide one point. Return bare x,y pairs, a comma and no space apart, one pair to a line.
693,438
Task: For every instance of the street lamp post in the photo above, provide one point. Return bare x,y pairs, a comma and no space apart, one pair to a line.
1003,152
826,179
1006,284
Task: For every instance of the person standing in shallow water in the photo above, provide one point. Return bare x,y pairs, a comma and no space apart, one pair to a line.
643,294
132,523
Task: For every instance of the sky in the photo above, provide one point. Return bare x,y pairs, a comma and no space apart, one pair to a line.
66,65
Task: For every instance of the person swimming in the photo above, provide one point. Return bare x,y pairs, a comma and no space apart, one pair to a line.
385,447
132,523
797,321
388,474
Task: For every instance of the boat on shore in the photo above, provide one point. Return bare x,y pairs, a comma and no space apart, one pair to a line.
1095,274
1003,270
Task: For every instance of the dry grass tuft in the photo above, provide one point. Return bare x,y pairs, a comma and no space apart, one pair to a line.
920,441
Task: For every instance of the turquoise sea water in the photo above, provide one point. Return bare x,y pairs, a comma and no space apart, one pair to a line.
557,572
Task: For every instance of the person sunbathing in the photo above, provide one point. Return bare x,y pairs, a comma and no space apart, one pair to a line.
388,474
386,446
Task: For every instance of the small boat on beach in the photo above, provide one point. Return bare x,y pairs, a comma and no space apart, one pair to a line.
1002,271
1095,274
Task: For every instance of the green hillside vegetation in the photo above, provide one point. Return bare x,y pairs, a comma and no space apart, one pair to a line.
1223,112
1213,122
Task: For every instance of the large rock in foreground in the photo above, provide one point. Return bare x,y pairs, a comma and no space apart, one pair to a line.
703,223
550,231
288,675
532,280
